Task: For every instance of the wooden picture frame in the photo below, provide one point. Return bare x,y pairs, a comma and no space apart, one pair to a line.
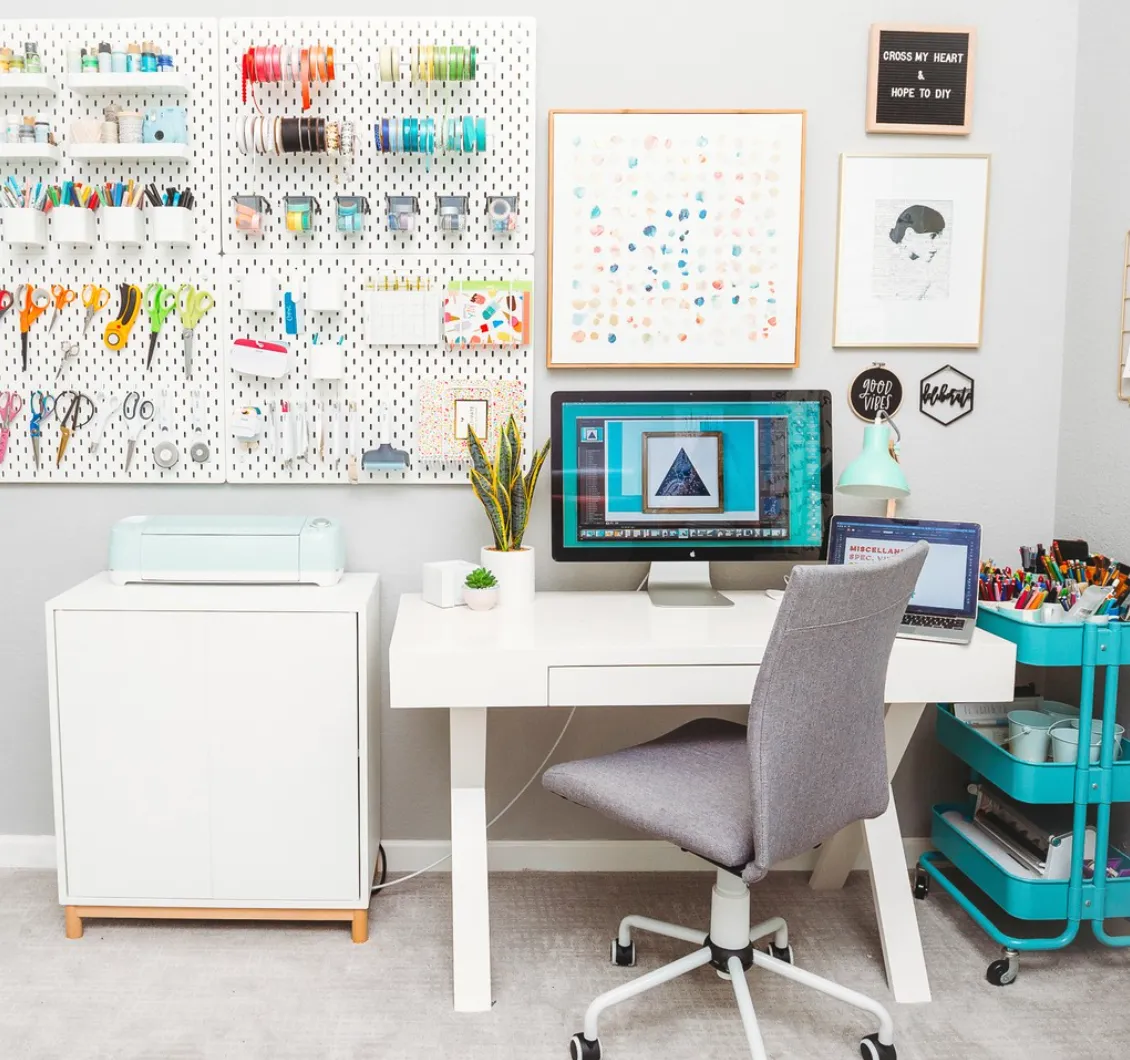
913,77
662,436
876,304
720,316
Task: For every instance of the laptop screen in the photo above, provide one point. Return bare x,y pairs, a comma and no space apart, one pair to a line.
947,585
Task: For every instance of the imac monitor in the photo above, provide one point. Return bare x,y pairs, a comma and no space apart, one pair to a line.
679,478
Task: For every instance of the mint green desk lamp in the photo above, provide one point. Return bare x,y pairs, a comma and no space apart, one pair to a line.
876,473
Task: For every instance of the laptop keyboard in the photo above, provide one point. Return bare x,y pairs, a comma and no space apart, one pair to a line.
933,621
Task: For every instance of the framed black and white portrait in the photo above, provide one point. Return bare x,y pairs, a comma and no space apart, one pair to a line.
682,472
910,264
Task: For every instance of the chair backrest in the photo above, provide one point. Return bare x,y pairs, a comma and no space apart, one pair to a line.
816,742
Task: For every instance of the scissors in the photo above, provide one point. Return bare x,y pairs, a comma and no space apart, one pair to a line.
6,301
62,297
137,414
117,331
95,299
192,307
10,405
35,300
159,303
42,407
69,421
70,352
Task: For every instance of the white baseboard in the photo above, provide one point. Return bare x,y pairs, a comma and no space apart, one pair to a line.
27,851
567,855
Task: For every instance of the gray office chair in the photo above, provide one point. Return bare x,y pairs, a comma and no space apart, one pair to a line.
811,761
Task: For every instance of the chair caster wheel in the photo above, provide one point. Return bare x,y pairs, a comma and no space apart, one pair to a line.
1003,972
623,956
580,1048
873,1049
785,954
921,885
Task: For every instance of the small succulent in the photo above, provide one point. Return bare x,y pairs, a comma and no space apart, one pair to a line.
481,578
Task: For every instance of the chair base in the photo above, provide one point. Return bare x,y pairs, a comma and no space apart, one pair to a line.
728,948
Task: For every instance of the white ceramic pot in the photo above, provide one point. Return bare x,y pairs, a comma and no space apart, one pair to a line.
480,599
515,574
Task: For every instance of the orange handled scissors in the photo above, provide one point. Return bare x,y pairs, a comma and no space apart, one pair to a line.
62,297
35,302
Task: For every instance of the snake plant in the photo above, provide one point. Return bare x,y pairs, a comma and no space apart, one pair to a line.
505,491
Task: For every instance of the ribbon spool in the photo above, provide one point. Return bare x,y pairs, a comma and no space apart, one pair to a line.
266,135
433,62
275,64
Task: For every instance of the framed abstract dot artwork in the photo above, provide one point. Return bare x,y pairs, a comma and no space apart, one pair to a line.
675,238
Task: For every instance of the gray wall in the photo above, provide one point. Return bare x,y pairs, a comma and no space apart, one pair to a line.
608,55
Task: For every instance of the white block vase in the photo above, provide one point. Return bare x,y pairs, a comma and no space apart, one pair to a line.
515,573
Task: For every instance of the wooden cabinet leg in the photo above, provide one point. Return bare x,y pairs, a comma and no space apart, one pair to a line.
360,925
74,922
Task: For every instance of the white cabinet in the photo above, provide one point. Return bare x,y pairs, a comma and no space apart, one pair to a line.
216,750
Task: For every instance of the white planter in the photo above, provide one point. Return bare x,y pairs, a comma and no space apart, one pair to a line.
515,574
123,225
480,599
73,225
25,227
171,225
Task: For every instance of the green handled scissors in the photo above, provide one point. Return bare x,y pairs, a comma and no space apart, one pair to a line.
160,301
192,305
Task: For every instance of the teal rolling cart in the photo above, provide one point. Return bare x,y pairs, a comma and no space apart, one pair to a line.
1082,785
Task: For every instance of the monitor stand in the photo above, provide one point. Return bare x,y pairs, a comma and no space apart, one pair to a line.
683,585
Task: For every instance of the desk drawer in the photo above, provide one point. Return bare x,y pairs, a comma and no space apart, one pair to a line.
650,686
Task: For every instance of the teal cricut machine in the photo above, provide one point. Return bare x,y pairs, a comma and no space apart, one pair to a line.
235,549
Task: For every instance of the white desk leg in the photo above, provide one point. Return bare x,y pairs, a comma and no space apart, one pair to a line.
894,907
840,853
470,897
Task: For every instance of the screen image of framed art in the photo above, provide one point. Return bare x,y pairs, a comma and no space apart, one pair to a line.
682,471
910,261
675,238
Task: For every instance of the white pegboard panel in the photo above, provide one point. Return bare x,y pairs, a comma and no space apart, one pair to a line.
374,375
193,43
503,93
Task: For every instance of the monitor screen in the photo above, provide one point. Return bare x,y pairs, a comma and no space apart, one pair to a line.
947,585
676,475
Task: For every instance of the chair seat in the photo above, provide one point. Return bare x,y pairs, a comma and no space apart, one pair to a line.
690,787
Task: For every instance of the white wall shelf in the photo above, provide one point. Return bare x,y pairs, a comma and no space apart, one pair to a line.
27,152
174,82
27,84
144,152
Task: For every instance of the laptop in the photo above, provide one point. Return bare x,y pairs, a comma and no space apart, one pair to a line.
943,606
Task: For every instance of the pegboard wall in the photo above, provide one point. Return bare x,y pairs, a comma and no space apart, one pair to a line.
502,93
381,382
105,375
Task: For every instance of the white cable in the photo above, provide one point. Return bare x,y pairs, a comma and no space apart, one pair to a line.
496,817
644,582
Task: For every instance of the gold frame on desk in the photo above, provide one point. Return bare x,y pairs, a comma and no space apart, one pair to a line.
875,345
1124,325
783,365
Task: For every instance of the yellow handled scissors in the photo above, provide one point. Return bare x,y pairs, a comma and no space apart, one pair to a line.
192,305
95,299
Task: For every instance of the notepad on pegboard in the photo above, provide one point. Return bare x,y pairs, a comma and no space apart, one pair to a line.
400,317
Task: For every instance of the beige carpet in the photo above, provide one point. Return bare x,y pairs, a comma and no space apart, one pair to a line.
138,990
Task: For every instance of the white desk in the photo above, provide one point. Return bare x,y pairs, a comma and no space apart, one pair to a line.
616,649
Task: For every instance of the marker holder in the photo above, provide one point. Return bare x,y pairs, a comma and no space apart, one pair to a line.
25,227
123,225
171,225
73,225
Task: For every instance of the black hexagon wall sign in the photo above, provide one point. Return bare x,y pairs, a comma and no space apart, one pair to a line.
946,395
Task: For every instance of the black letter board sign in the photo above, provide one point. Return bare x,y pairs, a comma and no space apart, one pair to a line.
920,79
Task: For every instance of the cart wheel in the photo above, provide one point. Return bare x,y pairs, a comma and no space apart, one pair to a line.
921,885
1004,971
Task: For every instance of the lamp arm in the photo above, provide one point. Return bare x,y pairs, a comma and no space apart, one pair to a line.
881,417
